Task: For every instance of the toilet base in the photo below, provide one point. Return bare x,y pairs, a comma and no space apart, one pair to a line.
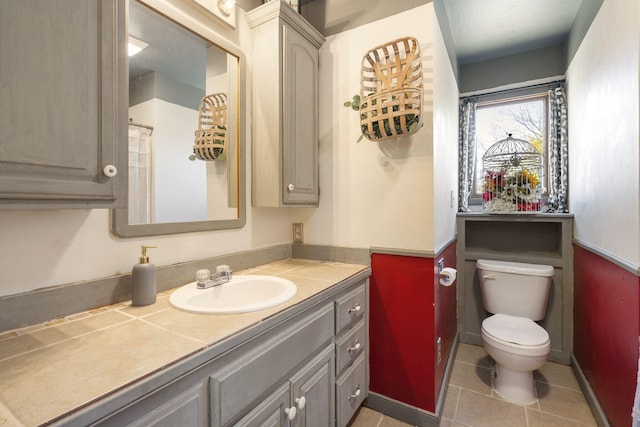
514,386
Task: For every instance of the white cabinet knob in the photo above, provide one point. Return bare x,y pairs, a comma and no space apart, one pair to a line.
301,402
356,347
110,171
291,187
291,412
355,394
355,309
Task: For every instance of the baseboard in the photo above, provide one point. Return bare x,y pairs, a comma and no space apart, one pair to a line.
401,411
589,395
332,253
410,414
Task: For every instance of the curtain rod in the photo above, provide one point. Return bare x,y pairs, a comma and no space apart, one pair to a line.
518,89
141,125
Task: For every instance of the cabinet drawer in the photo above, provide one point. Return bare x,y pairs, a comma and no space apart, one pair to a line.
350,391
349,346
350,308
255,368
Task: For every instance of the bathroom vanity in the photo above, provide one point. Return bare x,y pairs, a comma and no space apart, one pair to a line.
305,359
534,239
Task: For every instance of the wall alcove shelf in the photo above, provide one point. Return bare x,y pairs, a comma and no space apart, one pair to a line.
535,239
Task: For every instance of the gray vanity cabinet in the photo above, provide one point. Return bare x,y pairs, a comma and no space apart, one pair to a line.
307,369
285,107
62,103
351,349
309,392
250,371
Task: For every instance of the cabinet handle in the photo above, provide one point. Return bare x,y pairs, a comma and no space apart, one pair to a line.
355,309
291,412
355,347
110,171
291,187
356,393
301,402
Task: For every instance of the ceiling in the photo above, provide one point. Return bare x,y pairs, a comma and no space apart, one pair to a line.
480,29
488,29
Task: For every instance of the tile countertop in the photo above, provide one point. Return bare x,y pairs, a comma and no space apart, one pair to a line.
51,369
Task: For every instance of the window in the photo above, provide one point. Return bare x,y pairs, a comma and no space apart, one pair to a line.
524,117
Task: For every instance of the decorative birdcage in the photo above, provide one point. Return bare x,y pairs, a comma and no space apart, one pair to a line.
211,136
391,90
512,171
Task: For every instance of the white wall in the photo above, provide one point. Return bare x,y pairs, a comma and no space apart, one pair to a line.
384,194
602,82
43,248
389,194
445,143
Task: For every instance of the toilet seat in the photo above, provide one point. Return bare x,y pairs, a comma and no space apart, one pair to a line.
515,331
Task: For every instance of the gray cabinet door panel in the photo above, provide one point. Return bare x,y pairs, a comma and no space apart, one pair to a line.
271,412
350,392
187,409
350,308
349,346
61,102
314,383
300,98
252,370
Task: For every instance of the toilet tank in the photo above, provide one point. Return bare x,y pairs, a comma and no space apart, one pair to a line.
515,288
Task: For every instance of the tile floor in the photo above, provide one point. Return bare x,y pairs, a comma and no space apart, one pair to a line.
471,402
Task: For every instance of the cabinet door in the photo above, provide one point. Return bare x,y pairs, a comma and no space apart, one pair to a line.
312,392
186,409
271,412
61,121
300,100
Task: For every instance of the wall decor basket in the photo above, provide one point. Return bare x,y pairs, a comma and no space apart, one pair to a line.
512,171
391,90
211,136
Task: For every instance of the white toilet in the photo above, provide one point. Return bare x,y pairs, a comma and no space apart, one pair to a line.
516,294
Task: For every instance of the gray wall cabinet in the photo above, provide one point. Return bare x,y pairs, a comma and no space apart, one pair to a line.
62,103
535,239
283,373
285,107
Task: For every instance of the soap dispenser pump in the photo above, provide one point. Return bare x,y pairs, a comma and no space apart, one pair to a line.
143,280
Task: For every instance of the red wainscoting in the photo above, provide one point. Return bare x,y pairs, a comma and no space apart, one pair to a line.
409,310
606,327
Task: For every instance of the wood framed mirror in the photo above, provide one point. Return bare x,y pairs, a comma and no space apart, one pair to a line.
169,189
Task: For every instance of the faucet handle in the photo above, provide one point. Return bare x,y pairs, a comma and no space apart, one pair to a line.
224,270
203,275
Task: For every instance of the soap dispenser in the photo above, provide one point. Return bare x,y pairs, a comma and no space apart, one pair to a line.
143,280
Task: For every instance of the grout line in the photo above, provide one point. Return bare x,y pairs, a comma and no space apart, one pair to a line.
66,339
190,338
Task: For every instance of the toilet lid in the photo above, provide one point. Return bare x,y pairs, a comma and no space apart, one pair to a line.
517,330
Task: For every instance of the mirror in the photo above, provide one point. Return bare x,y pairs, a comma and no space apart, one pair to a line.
182,82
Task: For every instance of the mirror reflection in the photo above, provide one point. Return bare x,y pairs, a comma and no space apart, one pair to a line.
171,75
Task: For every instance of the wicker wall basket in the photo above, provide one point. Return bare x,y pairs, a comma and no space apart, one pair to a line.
391,90
211,136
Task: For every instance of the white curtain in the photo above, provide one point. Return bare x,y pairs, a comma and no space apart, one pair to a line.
558,150
466,151
139,175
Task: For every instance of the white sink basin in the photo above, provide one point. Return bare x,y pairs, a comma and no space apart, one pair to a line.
240,295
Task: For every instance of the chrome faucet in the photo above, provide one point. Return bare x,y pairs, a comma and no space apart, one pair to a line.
204,278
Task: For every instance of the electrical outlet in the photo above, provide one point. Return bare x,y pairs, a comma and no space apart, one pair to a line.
298,236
